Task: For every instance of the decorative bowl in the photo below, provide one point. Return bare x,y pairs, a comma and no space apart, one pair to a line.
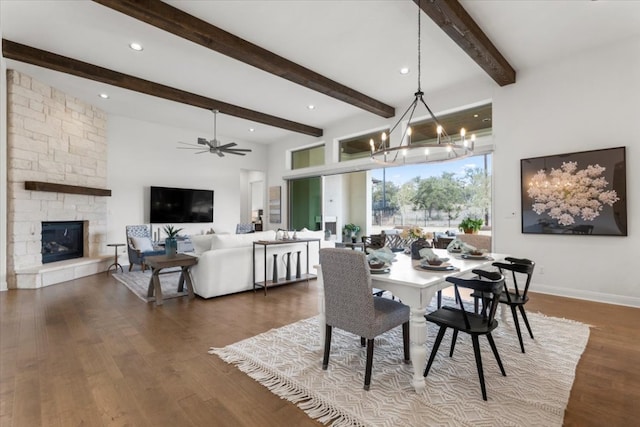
476,253
376,264
435,262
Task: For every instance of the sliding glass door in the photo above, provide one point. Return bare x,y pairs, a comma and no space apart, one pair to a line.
305,203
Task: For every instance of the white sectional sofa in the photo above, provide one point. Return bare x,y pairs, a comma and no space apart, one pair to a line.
225,264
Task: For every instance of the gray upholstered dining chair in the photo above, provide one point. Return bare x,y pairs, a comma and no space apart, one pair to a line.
351,306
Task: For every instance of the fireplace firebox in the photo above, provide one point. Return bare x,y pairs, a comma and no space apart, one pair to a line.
62,240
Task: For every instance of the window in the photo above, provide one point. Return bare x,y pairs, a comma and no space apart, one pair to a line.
307,157
475,120
358,147
435,196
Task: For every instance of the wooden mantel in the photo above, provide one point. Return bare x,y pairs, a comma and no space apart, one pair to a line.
64,188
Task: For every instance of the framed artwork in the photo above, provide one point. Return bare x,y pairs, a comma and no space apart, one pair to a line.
583,193
275,205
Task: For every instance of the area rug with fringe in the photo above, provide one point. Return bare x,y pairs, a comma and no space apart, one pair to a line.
535,392
138,283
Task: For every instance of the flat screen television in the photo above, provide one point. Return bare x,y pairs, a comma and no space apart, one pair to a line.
180,205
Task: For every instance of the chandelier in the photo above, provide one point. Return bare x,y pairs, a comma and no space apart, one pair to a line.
442,148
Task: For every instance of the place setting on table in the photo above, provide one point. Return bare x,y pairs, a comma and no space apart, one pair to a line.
465,251
380,260
429,259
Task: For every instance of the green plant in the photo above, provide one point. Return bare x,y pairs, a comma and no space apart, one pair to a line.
171,231
351,229
470,225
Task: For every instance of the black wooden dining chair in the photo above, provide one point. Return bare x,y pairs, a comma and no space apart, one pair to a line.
515,298
459,319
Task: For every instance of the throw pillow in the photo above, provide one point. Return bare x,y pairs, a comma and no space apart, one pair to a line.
201,243
143,244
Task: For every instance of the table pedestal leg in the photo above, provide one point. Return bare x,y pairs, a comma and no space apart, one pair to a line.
185,277
154,286
418,350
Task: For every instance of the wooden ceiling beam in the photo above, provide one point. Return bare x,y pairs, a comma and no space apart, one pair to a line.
181,24
42,58
451,17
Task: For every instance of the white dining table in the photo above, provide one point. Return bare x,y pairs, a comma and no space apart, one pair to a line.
415,287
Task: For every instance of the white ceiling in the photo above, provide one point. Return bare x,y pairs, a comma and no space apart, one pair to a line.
359,43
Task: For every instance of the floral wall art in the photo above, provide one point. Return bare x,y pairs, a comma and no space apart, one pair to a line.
580,193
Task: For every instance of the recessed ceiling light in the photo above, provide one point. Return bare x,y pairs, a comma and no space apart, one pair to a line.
311,106
475,115
404,70
104,96
252,130
136,46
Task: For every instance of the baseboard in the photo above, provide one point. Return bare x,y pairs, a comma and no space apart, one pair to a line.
587,295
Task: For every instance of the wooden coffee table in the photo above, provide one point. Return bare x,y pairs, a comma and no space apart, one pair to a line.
159,262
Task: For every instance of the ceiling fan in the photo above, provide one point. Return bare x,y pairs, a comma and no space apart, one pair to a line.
213,145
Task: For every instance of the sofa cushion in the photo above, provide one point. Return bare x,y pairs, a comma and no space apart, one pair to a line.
228,241
201,242
308,234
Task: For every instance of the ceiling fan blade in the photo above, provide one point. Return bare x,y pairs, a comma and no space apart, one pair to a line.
236,153
188,144
200,152
246,150
229,145
189,148
203,141
220,153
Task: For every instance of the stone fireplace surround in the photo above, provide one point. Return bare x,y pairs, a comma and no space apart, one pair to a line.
52,138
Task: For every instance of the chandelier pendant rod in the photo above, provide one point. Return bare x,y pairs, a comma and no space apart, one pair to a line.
382,153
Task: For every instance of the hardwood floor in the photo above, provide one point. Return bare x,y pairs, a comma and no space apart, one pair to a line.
89,352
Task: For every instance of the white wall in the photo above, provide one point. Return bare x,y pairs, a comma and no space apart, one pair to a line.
143,154
587,101
3,173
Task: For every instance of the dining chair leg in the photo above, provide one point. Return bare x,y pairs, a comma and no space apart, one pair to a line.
476,351
517,324
436,345
454,338
327,347
475,304
367,374
130,266
405,342
496,354
363,341
526,321
439,299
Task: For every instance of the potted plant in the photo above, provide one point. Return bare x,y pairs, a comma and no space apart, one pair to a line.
417,239
351,230
470,225
171,243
